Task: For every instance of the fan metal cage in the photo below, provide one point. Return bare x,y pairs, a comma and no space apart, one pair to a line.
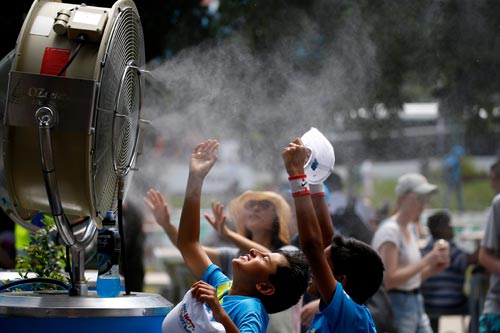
119,106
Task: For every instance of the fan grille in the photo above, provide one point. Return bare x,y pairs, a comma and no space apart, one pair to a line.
118,110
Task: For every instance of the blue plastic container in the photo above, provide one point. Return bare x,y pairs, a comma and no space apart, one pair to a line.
59,312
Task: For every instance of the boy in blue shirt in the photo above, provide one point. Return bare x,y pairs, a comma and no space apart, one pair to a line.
346,272
262,282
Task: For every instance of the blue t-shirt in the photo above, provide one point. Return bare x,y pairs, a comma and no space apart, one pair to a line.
247,313
452,168
342,315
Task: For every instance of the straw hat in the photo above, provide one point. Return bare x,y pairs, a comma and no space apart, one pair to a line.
283,211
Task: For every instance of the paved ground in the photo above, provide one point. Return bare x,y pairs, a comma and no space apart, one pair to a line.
453,324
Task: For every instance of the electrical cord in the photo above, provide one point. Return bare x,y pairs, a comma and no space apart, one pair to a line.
81,41
122,247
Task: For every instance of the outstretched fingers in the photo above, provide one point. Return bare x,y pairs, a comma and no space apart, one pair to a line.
218,221
203,157
206,147
158,206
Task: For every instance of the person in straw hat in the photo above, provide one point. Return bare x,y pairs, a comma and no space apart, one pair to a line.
261,220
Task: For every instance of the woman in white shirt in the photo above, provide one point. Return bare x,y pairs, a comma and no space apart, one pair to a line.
396,240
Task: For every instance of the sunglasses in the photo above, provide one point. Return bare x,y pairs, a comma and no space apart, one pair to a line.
262,204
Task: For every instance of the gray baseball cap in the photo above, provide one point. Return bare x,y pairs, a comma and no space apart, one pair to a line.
414,182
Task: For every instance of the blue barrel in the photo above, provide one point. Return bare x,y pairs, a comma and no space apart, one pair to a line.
54,312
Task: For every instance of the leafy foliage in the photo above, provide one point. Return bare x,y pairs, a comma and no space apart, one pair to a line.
44,257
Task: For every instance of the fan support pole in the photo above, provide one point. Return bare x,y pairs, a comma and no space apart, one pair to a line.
45,119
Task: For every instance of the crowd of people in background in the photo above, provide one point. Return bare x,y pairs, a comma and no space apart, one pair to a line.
421,282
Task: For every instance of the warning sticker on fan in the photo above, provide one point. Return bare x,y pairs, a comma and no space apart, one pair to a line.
54,60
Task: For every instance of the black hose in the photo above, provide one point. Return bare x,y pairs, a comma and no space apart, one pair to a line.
34,280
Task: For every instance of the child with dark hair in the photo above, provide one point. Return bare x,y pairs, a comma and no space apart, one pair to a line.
443,292
263,282
354,258
345,272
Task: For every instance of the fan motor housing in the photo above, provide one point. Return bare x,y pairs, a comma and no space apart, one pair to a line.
81,107
88,22
71,142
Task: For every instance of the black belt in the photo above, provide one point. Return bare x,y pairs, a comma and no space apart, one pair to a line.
415,291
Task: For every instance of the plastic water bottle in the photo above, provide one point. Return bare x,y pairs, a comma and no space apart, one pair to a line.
108,256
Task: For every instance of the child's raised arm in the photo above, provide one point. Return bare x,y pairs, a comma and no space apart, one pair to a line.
203,157
294,156
322,213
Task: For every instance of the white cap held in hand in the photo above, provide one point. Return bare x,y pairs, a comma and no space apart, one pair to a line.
189,315
322,156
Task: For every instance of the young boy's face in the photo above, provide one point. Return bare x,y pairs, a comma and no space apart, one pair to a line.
446,232
256,266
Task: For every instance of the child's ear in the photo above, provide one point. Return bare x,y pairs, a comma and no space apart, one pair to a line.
342,278
265,288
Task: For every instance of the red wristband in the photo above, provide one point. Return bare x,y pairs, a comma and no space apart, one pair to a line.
299,185
299,176
298,194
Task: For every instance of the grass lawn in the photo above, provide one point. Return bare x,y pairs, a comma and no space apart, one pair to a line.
477,194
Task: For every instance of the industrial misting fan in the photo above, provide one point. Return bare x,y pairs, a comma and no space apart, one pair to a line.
73,117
